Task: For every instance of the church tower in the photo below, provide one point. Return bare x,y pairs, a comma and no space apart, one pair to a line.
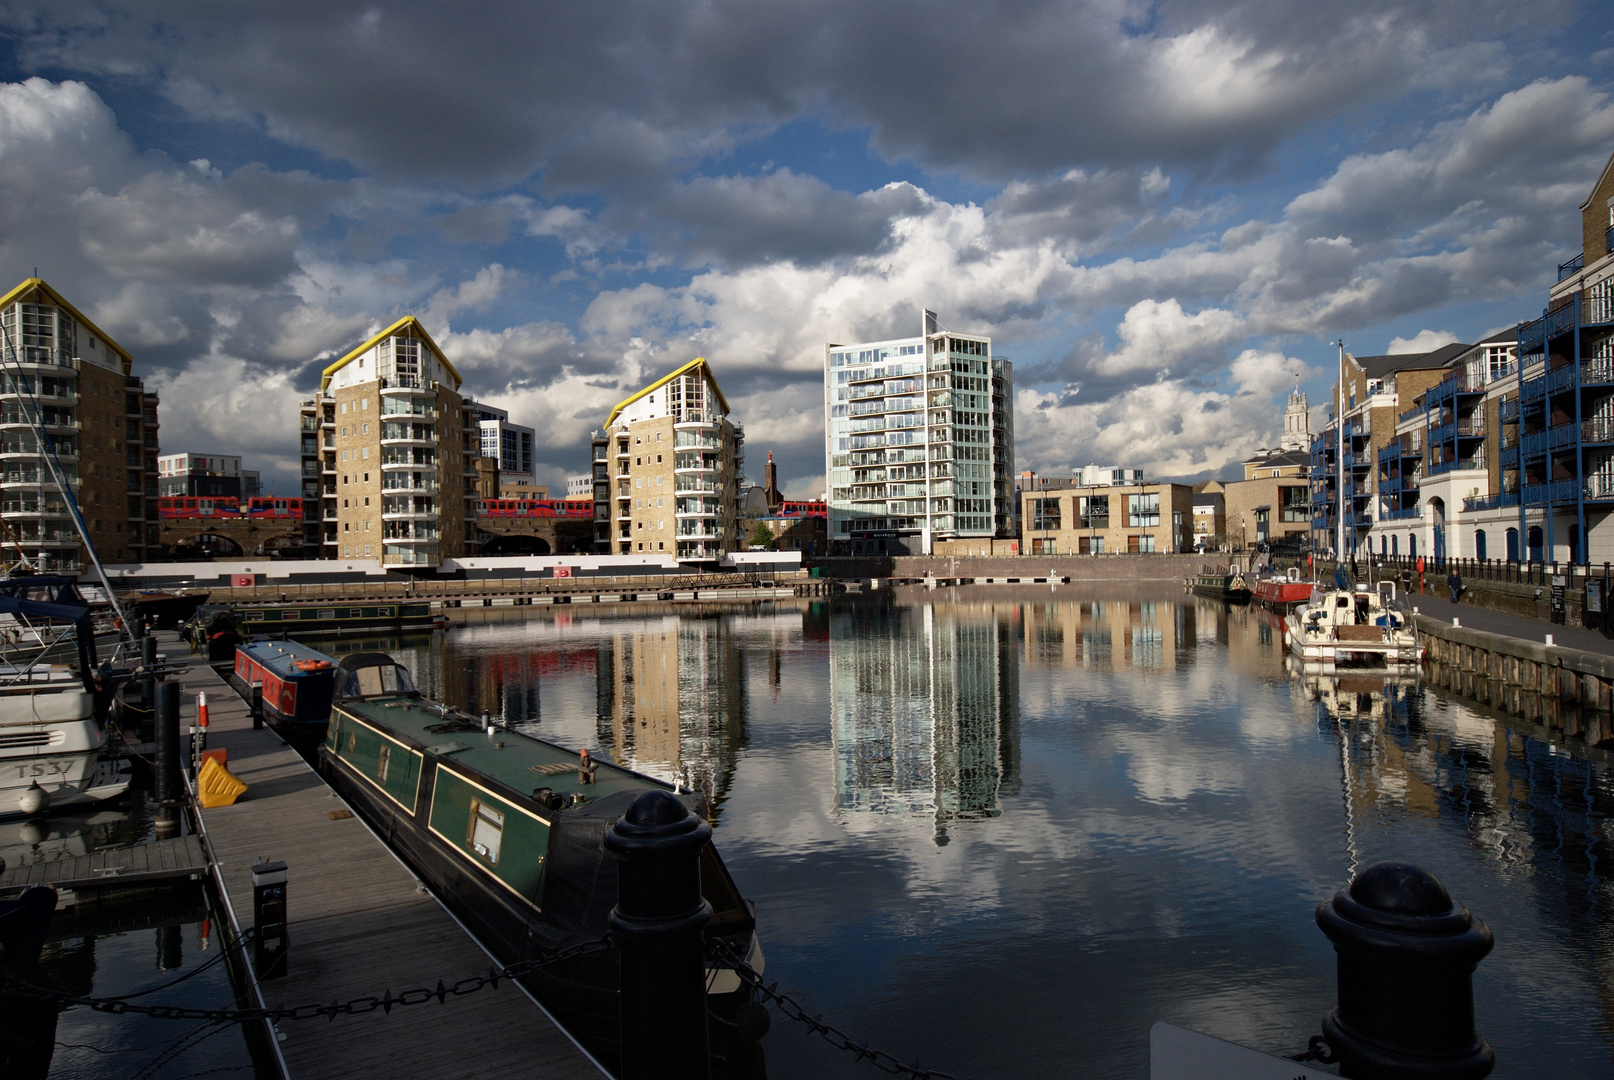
1296,422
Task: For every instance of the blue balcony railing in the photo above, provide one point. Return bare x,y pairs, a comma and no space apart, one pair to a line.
1403,514
1562,436
1560,321
1574,265
1531,335
1534,444
1533,389
1559,491
1561,379
1509,410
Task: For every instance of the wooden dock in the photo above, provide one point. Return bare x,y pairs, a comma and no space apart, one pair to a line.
140,864
359,924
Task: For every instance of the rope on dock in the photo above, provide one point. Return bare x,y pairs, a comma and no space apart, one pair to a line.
831,1034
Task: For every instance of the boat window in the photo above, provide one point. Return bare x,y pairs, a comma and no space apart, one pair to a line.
382,760
487,829
377,680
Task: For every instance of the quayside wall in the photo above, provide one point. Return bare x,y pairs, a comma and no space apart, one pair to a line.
1568,691
1024,567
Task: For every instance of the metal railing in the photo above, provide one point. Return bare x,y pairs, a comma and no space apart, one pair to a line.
1572,266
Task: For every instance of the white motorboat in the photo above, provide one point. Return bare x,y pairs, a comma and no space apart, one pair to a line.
1346,628
51,731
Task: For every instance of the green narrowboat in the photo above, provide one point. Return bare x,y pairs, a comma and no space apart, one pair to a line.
508,830
304,620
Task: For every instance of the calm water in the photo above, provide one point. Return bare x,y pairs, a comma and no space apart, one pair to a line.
1003,836
127,945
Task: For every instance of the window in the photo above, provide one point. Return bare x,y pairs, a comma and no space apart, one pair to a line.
1093,512
1141,545
1296,507
485,832
1143,511
383,759
1090,545
1045,513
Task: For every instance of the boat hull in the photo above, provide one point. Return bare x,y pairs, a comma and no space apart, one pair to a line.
417,799
1340,630
1282,594
296,689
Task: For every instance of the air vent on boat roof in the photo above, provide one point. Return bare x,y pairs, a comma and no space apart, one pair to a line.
449,727
448,748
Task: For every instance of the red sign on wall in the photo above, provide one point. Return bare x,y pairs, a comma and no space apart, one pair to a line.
243,581
563,571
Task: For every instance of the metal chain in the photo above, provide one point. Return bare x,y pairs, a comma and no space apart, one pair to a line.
1316,1050
355,1007
837,1038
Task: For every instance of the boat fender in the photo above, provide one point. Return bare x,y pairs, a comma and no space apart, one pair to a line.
34,799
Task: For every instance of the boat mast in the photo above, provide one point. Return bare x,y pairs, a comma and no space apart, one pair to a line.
48,455
1339,457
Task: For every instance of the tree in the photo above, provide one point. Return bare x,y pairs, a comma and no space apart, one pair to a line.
762,537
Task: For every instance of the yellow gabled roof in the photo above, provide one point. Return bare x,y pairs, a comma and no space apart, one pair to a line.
407,322
38,283
699,361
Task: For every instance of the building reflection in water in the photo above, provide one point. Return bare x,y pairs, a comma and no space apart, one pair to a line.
924,708
1522,802
1112,635
672,700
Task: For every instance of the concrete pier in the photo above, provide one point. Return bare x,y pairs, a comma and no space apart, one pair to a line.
359,924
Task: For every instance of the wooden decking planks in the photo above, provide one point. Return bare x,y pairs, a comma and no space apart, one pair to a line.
360,924
155,860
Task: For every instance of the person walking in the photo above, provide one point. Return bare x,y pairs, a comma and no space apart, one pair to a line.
1455,584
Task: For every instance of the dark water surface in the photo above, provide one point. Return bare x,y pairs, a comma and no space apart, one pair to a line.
128,943
1003,832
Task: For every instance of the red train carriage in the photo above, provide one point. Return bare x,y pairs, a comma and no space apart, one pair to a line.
205,507
191,506
536,508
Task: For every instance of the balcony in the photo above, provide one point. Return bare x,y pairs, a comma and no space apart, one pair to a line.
396,434
39,356
1508,411
1572,267
1558,492
1477,461
1599,488
1534,443
1402,514
1491,502
1533,389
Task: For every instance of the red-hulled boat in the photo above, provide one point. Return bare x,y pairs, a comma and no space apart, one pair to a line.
1282,592
297,685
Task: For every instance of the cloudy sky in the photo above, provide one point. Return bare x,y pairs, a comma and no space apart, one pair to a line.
1162,212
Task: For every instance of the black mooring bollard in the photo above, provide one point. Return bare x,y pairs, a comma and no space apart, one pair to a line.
658,917
170,786
1406,957
148,652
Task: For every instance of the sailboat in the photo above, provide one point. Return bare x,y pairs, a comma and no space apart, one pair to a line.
53,698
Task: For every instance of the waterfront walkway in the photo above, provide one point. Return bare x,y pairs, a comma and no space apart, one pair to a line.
360,924
1439,606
